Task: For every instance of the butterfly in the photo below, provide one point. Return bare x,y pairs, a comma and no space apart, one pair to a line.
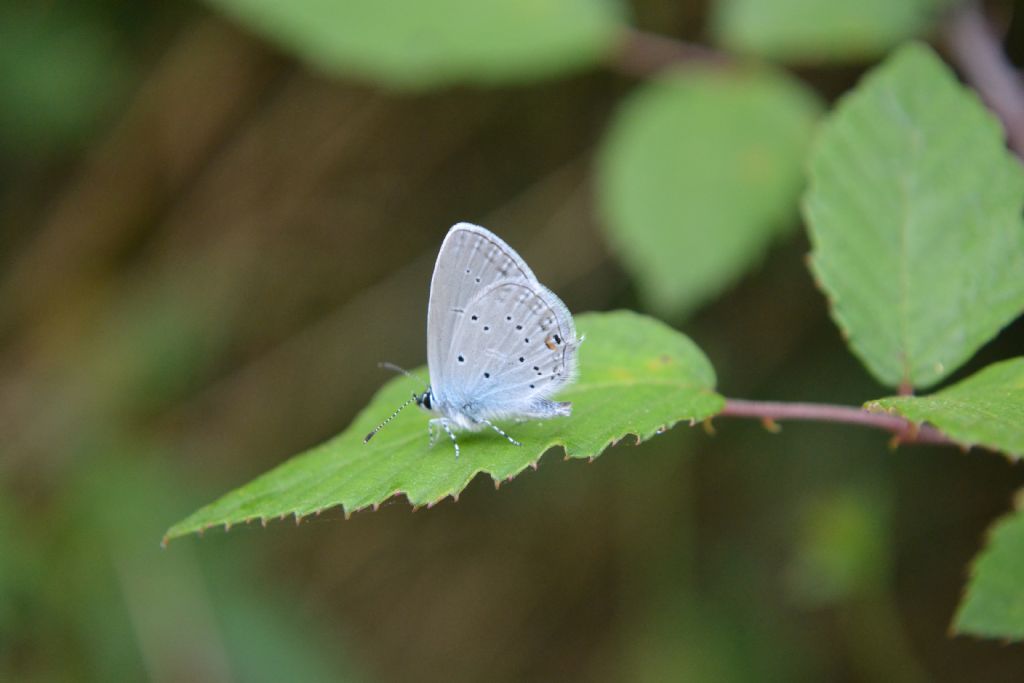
499,343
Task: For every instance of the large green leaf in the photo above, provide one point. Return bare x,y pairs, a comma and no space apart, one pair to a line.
993,606
637,376
815,31
914,211
699,171
417,44
986,409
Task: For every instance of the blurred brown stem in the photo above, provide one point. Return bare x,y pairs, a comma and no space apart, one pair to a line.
976,50
641,54
903,430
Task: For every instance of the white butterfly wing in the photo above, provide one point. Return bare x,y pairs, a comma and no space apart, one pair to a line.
514,347
471,259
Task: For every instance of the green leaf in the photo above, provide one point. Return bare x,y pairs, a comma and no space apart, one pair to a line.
637,376
986,409
816,31
994,604
416,44
699,171
914,211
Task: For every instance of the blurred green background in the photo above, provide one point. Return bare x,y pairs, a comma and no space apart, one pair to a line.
206,248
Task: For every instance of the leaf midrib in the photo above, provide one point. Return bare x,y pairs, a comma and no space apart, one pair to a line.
904,119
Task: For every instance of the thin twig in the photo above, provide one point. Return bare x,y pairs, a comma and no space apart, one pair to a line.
641,54
976,50
904,430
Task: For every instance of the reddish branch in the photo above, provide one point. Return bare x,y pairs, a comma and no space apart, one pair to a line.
770,411
976,50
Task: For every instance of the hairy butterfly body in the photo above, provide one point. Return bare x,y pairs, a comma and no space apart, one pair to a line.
499,343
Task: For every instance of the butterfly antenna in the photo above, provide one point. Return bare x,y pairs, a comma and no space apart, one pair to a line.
392,417
397,368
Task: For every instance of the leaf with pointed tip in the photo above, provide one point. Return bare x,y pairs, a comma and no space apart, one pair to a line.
986,409
699,172
914,211
415,44
637,376
993,606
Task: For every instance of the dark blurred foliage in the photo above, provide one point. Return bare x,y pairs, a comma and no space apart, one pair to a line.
206,249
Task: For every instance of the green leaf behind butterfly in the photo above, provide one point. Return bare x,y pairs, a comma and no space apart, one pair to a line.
816,31
420,44
914,211
700,170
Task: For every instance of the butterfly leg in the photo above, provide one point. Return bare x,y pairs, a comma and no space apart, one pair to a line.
500,431
432,431
439,423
